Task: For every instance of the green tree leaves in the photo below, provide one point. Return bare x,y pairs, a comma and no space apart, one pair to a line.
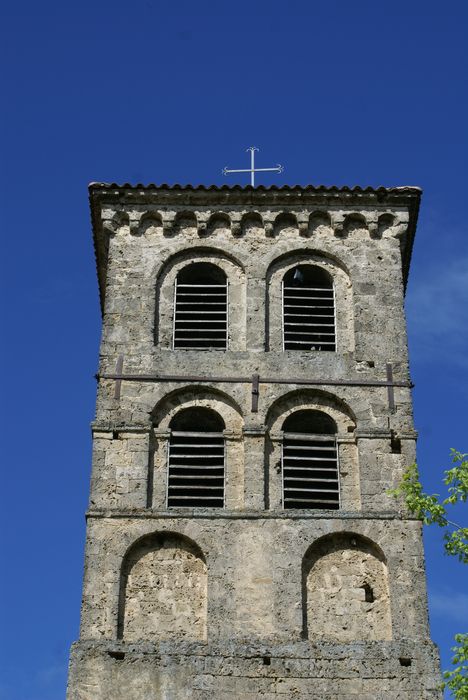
433,510
457,679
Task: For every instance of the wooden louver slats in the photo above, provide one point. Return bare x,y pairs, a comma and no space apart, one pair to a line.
201,316
196,470
309,318
310,471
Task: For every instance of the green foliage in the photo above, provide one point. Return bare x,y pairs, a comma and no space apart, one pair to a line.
457,679
457,478
432,510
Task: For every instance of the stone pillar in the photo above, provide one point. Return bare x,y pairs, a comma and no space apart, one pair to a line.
348,464
256,313
234,471
159,460
120,468
254,469
273,453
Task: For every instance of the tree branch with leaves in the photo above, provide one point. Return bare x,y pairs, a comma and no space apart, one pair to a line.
432,509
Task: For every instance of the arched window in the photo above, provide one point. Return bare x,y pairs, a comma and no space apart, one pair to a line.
308,309
196,460
310,461
201,308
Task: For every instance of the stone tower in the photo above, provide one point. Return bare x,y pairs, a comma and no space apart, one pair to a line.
253,410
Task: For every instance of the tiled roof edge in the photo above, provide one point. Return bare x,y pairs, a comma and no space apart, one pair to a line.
248,188
413,202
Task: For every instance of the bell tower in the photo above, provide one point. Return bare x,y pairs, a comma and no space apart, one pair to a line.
253,410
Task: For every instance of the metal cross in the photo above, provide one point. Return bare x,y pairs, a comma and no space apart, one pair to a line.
252,170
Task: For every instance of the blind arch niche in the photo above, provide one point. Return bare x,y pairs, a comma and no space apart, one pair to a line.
201,308
163,590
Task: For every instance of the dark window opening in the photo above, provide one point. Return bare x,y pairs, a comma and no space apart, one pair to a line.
310,461
395,444
201,308
405,661
368,593
117,655
267,660
308,309
196,460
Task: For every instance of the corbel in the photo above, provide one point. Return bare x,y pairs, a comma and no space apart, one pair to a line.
303,224
202,223
372,225
236,224
134,222
269,226
337,222
168,219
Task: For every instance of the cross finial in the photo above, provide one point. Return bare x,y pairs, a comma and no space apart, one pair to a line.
252,170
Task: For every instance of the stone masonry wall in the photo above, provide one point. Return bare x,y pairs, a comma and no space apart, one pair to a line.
252,601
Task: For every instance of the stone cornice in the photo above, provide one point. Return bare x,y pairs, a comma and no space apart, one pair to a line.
258,198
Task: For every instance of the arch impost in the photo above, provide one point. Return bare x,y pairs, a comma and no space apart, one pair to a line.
97,427
345,439
161,433
232,435
377,434
276,436
406,434
254,431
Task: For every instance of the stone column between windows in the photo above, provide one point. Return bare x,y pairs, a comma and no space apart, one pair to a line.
120,466
348,469
274,469
382,464
233,470
158,469
255,320
254,467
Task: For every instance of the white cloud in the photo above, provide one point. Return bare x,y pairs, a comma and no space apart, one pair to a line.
445,603
437,311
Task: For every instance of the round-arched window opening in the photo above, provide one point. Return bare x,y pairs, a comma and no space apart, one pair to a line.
308,309
311,422
201,308
196,459
308,276
201,273
310,461
198,419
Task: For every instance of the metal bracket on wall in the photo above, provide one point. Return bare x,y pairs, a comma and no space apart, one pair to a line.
255,380
390,388
118,371
255,392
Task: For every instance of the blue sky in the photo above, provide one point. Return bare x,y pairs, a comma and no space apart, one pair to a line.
339,92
